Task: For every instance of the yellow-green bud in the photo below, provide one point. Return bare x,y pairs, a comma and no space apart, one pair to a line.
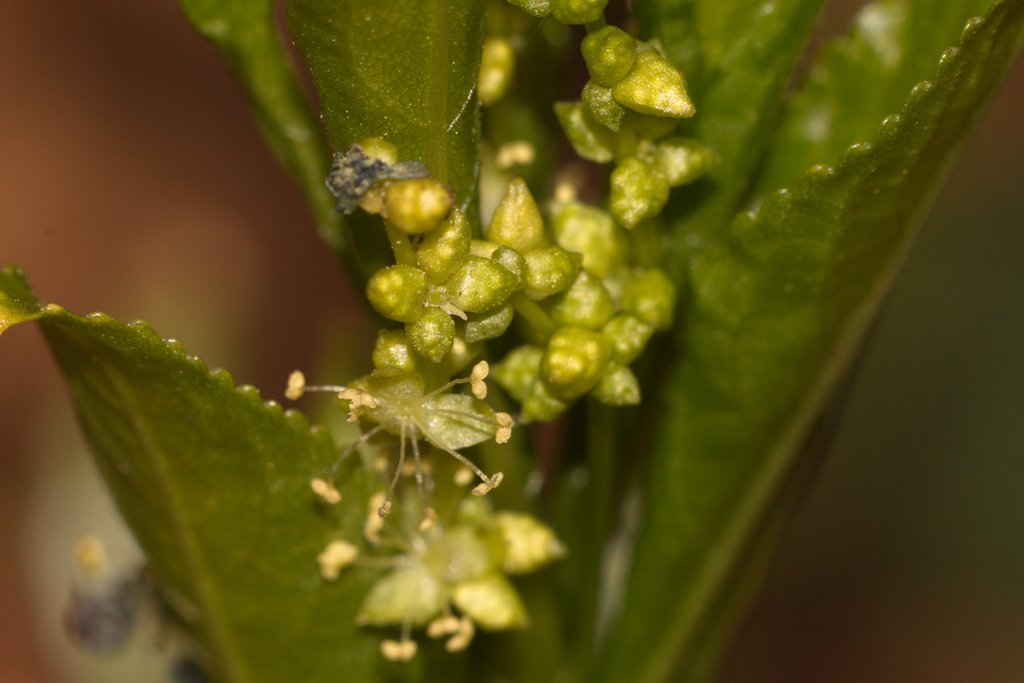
682,160
512,261
609,53
540,405
577,11
549,271
479,285
652,298
574,361
518,370
418,205
397,292
589,138
638,191
392,354
442,250
618,387
489,325
497,66
655,87
538,8
379,148
601,106
517,222
629,336
585,304
591,232
432,335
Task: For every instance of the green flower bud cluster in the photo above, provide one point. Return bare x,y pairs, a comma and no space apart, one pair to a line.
633,100
596,327
564,11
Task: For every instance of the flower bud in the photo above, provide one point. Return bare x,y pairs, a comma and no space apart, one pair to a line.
638,191
497,66
682,160
512,261
432,335
538,8
628,335
651,298
443,249
379,148
589,138
540,405
609,53
601,106
417,206
392,354
653,86
517,371
517,222
549,271
489,325
585,304
618,387
397,292
577,11
479,285
574,361
591,232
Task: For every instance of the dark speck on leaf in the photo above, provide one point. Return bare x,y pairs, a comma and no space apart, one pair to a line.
354,173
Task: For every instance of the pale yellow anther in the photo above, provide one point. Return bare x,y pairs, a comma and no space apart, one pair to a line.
429,520
335,557
461,640
484,488
398,651
565,192
444,625
358,399
385,509
296,386
463,476
505,424
510,154
325,490
374,522
477,377
91,557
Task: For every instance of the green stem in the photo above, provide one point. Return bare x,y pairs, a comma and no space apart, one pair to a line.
535,316
404,253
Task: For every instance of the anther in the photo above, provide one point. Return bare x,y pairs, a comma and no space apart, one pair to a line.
296,386
335,557
325,490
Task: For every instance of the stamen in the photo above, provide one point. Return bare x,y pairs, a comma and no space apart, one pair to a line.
325,490
463,637
444,625
429,519
296,386
351,447
485,488
504,432
358,399
398,651
419,473
385,509
335,557
476,379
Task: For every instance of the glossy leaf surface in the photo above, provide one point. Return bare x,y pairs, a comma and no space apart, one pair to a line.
215,485
244,33
403,70
780,304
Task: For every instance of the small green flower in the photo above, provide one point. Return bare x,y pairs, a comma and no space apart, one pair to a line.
585,304
550,270
574,361
432,335
618,387
628,335
651,297
638,191
497,67
397,292
589,138
577,11
653,86
601,106
417,206
517,222
440,251
480,285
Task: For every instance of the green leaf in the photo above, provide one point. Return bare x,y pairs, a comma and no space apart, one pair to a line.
860,79
402,70
737,57
780,304
215,485
244,33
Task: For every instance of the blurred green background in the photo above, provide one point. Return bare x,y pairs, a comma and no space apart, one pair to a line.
132,181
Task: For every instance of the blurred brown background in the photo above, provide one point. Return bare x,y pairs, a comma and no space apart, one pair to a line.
132,181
